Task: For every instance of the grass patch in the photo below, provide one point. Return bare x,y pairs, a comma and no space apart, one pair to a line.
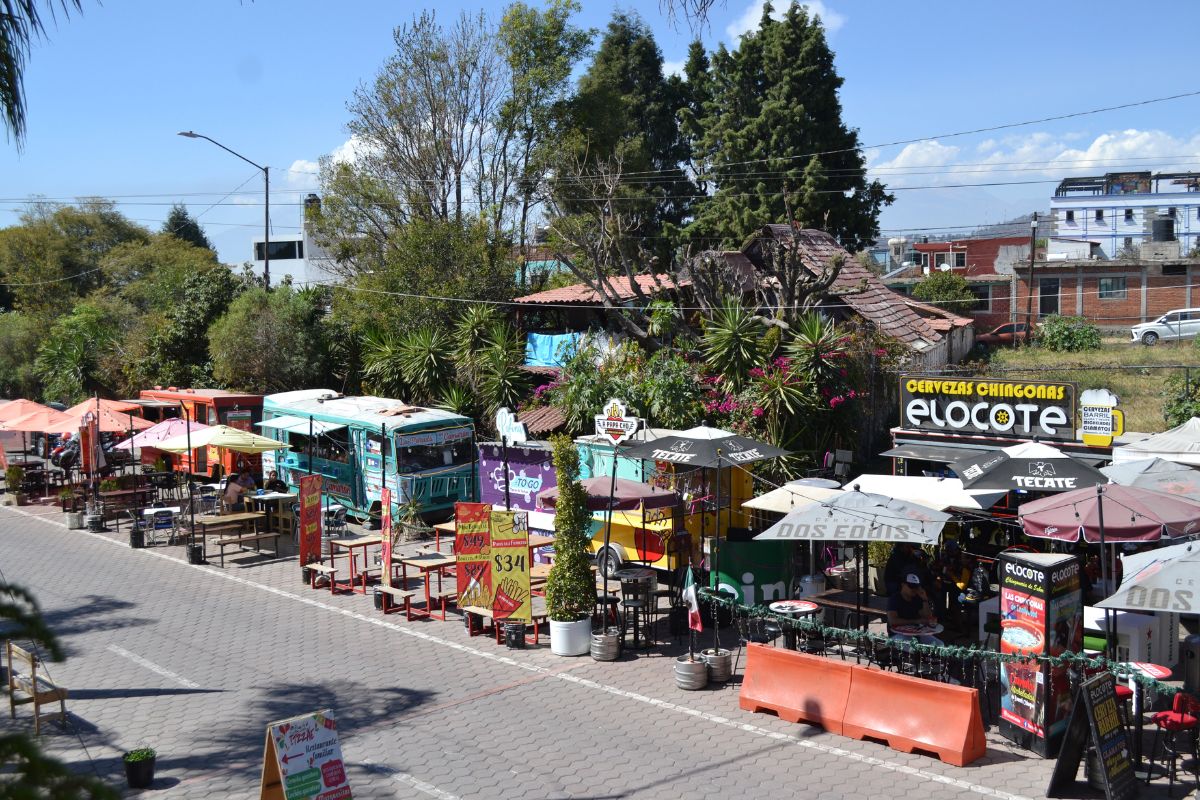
1135,373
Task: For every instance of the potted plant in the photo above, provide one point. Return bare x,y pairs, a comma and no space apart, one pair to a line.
110,485
14,477
139,767
570,587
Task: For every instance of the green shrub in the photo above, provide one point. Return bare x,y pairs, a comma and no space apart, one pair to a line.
140,754
1069,334
570,587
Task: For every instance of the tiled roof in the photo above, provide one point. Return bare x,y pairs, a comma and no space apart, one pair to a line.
542,372
859,288
546,419
582,294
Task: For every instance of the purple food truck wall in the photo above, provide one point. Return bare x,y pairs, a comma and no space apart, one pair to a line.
530,471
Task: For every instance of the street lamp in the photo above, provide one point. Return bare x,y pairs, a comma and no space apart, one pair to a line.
266,201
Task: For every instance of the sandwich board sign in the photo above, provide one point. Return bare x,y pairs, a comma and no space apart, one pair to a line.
302,760
1095,722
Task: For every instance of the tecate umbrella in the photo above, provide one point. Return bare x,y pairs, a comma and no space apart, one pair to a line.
1129,515
629,495
1165,579
860,517
1030,466
1158,475
704,447
167,429
224,437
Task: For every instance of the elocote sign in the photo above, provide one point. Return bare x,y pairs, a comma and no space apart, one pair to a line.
1016,408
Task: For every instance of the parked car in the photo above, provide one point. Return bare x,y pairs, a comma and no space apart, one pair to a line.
1182,323
1006,334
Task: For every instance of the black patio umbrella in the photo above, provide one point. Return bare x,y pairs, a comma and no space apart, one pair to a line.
1030,466
710,448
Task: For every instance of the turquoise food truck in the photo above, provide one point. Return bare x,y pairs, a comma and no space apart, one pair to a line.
427,455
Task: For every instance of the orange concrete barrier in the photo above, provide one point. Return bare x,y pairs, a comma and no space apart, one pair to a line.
915,714
796,686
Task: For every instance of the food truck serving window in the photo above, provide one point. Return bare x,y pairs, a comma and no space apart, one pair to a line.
333,445
423,457
378,446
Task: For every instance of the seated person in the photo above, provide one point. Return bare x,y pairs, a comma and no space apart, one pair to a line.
247,480
234,496
910,606
273,483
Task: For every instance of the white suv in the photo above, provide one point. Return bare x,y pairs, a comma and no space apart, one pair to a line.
1183,323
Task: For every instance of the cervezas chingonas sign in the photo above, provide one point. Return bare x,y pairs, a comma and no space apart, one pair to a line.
981,407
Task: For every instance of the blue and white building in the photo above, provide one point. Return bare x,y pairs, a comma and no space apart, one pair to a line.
1121,211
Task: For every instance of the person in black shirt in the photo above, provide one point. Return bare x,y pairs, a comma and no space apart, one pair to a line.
909,605
899,564
273,483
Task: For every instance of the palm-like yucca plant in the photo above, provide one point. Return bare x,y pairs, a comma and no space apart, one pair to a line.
501,340
817,350
471,337
381,364
502,381
732,341
459,400
425,362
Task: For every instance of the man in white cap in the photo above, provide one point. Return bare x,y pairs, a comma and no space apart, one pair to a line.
910,605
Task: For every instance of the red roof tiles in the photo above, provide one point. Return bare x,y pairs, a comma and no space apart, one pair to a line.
582,294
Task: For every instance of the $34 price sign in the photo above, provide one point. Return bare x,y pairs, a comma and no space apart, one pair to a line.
510,566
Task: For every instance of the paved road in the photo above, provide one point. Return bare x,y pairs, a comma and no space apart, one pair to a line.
195,661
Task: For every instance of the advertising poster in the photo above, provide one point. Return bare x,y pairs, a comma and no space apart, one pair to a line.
385,532
1040,614
510,566
472,545
310,519
302,760
529,472
1018,408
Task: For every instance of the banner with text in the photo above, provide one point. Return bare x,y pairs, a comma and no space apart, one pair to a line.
385,532
1022,409
510,566
310,519
472,545
302,760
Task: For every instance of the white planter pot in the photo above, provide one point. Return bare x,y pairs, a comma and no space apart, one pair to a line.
570,638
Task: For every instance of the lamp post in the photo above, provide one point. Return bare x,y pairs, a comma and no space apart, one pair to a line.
1033,226
266,171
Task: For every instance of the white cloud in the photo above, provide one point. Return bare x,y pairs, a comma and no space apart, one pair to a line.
1037,155
673,67
304,174
748,21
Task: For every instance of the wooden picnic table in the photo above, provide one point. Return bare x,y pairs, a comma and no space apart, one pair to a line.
221,524
350,544
272,503
426,564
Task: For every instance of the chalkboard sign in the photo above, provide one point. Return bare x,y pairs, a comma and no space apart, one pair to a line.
1094,720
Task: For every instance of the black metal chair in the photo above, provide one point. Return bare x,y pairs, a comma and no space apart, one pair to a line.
633,605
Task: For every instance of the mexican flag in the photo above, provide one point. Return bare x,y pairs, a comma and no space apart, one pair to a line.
693,602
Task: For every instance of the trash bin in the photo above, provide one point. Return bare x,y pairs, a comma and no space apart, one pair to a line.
514,635
195,553
1191,664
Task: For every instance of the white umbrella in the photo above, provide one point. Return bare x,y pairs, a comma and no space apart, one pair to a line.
1164,579
860,517
931,492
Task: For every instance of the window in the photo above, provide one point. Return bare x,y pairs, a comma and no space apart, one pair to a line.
984,293
1129,215
1070,217
1174,269
1128,243
1112,288
1171,212
960,259
1099,215
280,251
418,459
941,259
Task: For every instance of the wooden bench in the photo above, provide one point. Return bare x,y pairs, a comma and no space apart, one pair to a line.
315,569
539,615
441,597
26,685
255,539
403,598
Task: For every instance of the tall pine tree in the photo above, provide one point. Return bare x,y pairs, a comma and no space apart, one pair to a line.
180,224
768,135
626,109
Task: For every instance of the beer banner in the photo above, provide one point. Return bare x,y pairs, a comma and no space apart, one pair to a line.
310,519
472,545
510,566
1023,409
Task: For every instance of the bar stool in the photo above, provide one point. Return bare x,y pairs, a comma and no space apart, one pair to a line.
605,611
1183,718
633,604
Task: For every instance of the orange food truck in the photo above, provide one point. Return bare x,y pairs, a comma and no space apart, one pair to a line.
213,407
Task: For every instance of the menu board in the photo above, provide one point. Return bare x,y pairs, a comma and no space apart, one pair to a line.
1094,720
510,566
302,760
385,533
1040,615
310,519
472,546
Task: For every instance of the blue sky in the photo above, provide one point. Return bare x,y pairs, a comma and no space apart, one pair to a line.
110,88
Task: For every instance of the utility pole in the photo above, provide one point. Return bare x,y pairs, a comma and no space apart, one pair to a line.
1033,226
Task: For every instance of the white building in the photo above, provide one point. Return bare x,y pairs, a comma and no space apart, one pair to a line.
296,254
1121,210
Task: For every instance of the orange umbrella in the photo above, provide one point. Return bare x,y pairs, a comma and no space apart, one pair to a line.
47,420
119,406
107,420
19,408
